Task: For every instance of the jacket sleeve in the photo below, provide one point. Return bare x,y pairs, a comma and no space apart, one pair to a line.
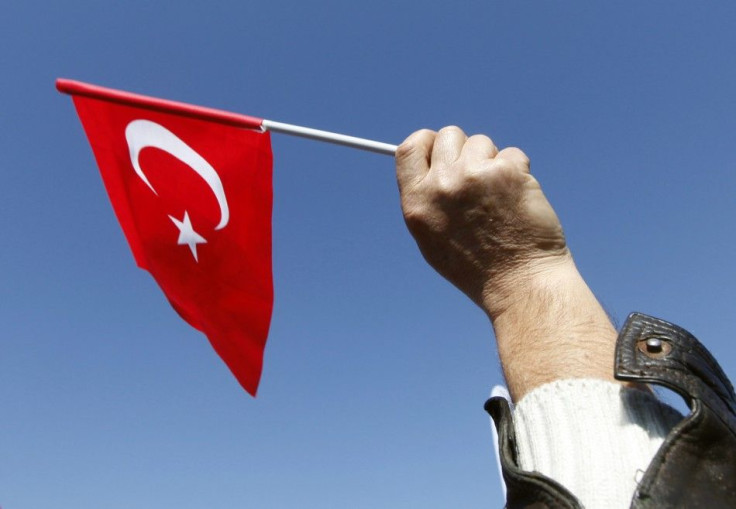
594,437
695,464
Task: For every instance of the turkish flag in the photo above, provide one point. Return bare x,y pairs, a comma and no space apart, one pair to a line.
192,189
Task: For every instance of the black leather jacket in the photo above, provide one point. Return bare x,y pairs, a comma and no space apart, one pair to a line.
695,466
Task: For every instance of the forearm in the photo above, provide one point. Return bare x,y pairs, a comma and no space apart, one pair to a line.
482,221
549,326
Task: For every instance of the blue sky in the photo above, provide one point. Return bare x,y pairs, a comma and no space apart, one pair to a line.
376,369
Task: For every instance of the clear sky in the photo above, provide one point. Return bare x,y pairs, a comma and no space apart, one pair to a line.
376,369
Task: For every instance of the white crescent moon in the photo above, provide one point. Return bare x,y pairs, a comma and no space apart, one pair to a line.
144,133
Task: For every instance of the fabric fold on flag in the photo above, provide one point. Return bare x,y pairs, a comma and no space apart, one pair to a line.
192,190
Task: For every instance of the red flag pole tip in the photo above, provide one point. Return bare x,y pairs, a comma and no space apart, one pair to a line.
73,87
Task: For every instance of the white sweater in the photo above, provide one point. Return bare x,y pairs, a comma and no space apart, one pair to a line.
594,437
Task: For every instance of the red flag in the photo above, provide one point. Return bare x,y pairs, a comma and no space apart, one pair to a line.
192,189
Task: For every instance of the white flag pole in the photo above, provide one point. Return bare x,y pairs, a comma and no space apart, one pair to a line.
79,88
339,139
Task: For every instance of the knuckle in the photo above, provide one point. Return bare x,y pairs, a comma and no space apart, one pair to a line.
473,179
406,150
519,155
458,190
415,215
447,186
451,129
505,172
499,173
413,145
480,139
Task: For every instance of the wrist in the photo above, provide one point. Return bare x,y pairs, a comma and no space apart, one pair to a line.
549,325
507,291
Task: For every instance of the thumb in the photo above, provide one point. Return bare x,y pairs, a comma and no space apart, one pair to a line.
413,158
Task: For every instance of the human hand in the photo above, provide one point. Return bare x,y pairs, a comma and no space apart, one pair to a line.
481,220
477,214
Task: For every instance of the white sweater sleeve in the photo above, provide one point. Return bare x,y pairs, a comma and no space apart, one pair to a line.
594,437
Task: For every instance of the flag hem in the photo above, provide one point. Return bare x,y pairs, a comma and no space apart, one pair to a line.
73,88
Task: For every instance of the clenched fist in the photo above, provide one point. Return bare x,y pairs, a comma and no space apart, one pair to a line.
481,220
479,217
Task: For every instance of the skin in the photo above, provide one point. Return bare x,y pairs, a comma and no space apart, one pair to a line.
481,220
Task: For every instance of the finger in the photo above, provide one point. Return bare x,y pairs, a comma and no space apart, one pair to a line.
447,146
479,147
413,157
517,156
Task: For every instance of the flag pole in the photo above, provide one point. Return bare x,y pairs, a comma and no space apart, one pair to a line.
73,87
338,139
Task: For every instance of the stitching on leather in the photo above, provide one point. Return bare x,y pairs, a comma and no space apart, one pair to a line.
681,336
674,370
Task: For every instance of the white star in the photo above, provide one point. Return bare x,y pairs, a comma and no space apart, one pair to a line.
187,235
